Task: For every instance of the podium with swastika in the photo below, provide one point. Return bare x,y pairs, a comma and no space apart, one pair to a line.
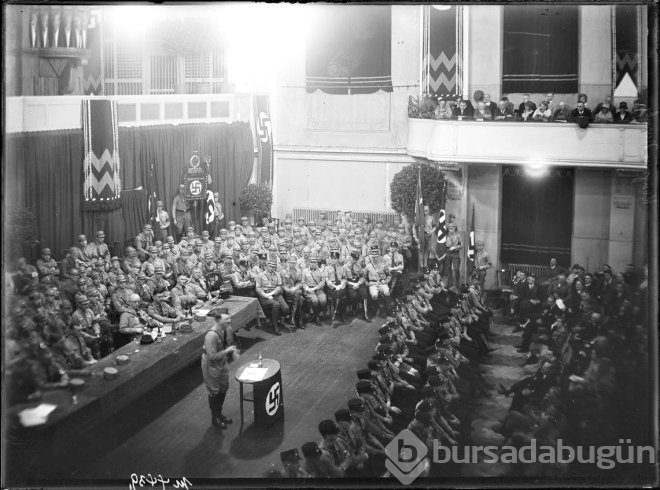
267,394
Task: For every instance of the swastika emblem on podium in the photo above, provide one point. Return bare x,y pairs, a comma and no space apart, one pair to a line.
273,399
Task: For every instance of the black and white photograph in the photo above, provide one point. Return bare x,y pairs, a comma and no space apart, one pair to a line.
330,245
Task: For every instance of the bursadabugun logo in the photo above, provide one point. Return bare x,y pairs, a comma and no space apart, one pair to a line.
406,457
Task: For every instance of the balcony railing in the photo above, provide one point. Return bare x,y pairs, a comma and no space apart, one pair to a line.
524,143
25,114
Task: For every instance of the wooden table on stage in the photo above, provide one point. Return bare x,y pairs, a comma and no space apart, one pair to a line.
267,393
154,363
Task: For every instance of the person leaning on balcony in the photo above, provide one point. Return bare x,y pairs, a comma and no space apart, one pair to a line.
604,115
623,116
521,107
580,115
503,111
527,113
562,113
543,112
483,112
463,111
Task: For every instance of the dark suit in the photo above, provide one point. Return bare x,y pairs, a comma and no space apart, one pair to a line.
623,117
581,118
468,113
521,107
527,293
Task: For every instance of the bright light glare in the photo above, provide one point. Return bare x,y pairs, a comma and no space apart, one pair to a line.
263,37
537,170
442,7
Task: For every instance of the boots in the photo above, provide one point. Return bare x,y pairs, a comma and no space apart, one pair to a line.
365,304
294,318
216,415
215,404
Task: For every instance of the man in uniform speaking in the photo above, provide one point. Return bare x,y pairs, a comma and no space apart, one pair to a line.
218,349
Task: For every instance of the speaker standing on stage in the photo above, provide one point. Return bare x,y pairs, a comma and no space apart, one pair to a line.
215,364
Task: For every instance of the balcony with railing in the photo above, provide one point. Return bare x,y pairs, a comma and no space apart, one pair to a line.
25,114
525,143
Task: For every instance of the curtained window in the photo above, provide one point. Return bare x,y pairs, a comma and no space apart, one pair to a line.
540,49
537,216
349,48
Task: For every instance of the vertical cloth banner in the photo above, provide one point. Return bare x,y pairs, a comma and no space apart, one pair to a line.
264,137
92,79
441,249
471,247
209,214
419,215
441,58
101,182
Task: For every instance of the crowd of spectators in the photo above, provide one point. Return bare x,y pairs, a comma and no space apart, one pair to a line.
547,110
424,376
66,315
586,369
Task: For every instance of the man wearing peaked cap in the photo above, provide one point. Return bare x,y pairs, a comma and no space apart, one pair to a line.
335,283
377,277
98,249
291,462
394,262
313,288
268,286
319,464
143,241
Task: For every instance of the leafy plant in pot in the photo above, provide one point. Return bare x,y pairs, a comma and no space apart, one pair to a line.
256,201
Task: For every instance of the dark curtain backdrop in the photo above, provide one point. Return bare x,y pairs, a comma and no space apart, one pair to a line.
43,171
540,48
537,216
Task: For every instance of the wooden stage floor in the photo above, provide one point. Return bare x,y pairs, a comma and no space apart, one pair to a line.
169,432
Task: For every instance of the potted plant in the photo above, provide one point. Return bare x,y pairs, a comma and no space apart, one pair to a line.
403,189
256,201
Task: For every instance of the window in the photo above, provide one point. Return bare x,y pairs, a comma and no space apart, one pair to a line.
349,50
540,49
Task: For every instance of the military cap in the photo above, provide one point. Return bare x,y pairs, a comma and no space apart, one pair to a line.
451,225
311,450
311,222
290,456
375,250
313,259
272,263
82,237
159,268
385,348
80,298
343,415
147,227
190,228
355,405
170,239
100,234
364,386
218,312
217,240
364,374
427,391
153,250
159,203
328,427
424,407
374,365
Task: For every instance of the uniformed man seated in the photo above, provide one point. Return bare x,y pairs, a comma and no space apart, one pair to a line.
241,280
291,462
268,286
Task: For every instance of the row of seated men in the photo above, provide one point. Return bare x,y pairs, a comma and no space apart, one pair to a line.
424,376
91,303
586,369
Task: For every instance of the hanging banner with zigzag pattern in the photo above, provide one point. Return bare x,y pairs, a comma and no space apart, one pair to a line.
101,184
440,65
92,80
